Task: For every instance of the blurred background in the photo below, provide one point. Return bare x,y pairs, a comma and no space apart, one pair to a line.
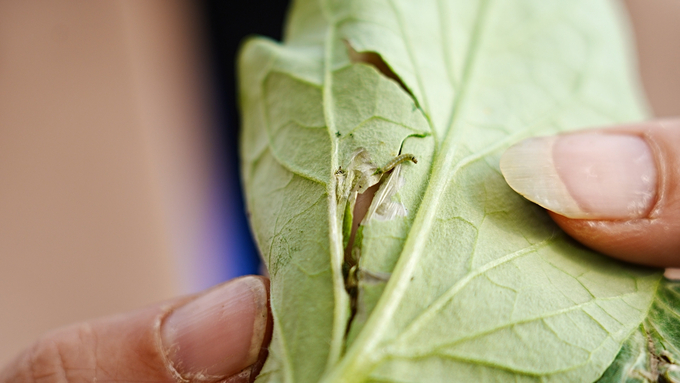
119,182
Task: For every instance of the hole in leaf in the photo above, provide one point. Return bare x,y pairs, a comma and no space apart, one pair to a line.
665,358
363,202
360,209
376,61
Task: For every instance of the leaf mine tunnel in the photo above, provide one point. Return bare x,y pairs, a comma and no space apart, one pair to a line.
371,197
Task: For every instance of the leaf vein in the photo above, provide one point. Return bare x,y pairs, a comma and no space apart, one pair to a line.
440,302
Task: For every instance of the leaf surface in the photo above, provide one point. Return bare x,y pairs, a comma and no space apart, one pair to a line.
651,354
473,283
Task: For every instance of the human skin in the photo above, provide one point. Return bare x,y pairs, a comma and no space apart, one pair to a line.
615,189
217,335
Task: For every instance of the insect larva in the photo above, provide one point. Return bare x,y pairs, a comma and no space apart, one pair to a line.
396,161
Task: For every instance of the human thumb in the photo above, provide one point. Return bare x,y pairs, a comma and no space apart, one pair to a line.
218,335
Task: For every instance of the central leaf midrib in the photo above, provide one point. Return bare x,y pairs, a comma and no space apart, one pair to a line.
341,307
360,359
442,166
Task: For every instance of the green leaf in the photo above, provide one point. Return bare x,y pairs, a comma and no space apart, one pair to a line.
651,354
465,281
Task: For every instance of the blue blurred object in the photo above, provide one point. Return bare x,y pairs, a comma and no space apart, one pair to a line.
227,24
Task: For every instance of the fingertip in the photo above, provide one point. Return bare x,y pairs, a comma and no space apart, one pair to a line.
220,333
621,186
649,242
585,175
